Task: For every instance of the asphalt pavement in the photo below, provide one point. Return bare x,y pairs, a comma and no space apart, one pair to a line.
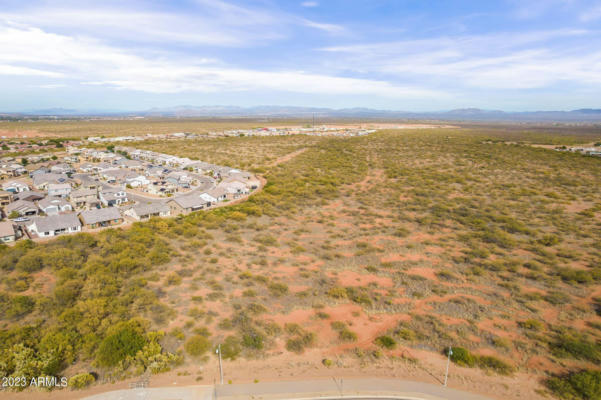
332,389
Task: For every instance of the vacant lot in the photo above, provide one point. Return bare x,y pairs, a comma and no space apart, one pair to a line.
366,255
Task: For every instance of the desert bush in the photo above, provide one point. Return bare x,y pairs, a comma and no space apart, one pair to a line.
577,385
278,289
298,344
197,345
266,240
346,335
549,240
253,339
81,381
556,298
531,324
575,345
494,364
173,279
571,275
446,275
126,340
406,334
462,357
231,348
386,342
337,293
17,306
358,295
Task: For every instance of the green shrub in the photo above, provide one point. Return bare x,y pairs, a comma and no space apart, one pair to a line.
337,293
126,341
358,296
253,340
557,298
406,334
20,306
549,240
576,346
278,289
337,325
581,385
385,341
322,315
299,343
494,364
197,345
462,357
230,348
531,324
81,381
173,279
346,335
446,275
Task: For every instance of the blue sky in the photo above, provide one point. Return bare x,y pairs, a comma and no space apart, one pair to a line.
410,55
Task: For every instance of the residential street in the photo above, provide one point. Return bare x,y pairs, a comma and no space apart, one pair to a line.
327,388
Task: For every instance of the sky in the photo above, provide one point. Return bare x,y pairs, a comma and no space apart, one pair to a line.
411,55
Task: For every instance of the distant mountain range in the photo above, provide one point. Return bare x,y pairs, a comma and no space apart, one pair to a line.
465,114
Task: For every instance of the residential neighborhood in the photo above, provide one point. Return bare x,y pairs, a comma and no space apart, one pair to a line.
84,189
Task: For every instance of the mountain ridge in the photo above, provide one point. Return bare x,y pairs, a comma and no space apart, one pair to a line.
222,111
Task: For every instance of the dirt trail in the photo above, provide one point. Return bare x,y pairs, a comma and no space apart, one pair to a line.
287,157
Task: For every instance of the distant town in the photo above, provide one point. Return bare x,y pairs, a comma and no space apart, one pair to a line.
311,131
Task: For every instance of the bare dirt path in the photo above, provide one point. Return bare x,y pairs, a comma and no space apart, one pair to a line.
287,157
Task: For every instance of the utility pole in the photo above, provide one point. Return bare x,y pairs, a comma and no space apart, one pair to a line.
446,376
218,351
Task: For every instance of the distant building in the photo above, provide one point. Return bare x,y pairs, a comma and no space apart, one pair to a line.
7,232
6,198
22,207
59,189
113,197
54,205
84,197
142,212
101,217
187,204
55,225
15,186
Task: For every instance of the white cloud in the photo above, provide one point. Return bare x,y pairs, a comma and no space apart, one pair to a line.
330,28
309,4
49,86
95,63
500,61
591,14
6,69
208,22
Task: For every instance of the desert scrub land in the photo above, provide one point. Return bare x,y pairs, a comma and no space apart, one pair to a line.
367,255
250,153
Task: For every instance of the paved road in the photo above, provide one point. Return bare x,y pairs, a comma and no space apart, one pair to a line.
372,387
165,393
140,198
345,389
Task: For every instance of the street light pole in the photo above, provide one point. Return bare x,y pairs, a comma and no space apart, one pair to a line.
218,351
446,376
